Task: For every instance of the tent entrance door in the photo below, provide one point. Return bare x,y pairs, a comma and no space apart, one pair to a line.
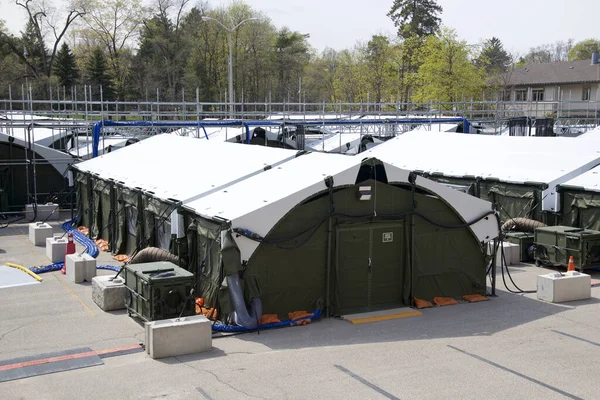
370,266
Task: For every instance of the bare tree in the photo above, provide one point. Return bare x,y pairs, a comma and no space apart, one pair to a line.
49,26
116,24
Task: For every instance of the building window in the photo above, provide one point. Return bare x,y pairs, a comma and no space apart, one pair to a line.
521,95
587,93
537,94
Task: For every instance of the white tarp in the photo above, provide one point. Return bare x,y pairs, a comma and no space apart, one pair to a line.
181,168
268,197
588,181
549,160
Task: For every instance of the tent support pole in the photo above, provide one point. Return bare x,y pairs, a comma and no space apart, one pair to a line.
329,184
412,177
329,249
494,268
90,206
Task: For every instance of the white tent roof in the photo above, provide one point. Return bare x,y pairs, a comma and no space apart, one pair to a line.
594,133
183,168
549,160
589,181
228,133
259,202
335,143
59,160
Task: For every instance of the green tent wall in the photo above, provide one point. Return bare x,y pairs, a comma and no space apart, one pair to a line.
289,269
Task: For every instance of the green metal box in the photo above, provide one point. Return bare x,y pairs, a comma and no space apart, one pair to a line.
158,290
555,244
524,240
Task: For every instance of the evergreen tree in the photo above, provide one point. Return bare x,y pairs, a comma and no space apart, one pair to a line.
97,73
34,51
415,18
493,57
65,67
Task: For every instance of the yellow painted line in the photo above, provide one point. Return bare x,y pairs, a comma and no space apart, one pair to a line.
72,293
26,270
385,317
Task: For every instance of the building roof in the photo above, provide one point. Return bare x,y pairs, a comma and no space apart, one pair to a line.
555,73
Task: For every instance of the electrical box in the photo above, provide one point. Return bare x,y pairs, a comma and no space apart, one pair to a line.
158,290
524,240
555,244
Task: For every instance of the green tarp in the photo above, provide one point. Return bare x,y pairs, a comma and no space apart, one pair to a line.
157,222
129,222
102,226
83,198
512,200
370,256
204,249
581,209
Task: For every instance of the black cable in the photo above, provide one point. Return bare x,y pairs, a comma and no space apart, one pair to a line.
314,228
7,224
503,266
465,225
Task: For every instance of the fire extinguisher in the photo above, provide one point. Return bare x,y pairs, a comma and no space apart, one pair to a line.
70,250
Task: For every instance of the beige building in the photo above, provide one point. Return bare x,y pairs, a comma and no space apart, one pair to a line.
565,89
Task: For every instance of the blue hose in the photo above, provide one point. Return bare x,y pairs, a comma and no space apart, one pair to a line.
233,328
90,248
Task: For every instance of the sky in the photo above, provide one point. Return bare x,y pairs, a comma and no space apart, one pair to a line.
340,24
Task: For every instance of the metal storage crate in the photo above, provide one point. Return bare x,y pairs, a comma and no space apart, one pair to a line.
524,240
555,244
158,290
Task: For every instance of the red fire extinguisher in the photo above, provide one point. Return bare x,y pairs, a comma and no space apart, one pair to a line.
70,250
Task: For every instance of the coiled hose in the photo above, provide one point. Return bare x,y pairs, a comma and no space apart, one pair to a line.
522,225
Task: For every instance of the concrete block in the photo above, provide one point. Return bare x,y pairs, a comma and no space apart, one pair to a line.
79,268
45,212
512,253
108,293
56,247
178,336
90,267
39,232
557,288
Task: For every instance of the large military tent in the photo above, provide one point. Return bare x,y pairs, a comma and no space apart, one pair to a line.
518,174
580,199
128,196
30,171
349,233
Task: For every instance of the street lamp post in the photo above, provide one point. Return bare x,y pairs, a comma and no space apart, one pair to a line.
230,70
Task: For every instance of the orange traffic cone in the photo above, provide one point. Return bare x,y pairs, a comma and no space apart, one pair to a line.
70,250
571,266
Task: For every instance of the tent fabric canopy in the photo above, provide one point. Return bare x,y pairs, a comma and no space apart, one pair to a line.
301,216
132,205
581,200
540,163
296,223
